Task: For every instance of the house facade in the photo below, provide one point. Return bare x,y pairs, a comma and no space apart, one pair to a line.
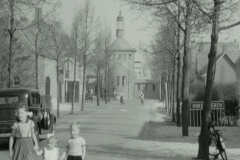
227,55
123,57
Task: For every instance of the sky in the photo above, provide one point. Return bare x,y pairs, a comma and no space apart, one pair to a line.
135,26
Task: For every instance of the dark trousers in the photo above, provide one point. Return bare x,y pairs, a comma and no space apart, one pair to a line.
74,157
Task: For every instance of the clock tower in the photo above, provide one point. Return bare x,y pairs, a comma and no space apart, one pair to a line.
120,26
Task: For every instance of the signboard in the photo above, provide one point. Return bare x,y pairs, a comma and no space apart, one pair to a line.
214,105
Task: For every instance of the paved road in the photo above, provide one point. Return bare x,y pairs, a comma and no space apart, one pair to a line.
109,130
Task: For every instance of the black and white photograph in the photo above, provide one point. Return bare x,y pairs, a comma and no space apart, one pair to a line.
119,79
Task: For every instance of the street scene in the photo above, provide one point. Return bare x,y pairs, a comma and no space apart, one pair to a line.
119,79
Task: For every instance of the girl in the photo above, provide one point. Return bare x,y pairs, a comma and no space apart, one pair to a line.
24,132
76,147
51,152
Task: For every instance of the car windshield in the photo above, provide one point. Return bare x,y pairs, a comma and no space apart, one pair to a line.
8,99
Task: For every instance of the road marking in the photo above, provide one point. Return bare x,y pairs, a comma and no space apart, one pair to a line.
123,110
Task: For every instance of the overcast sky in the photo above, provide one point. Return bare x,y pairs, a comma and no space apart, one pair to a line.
135,26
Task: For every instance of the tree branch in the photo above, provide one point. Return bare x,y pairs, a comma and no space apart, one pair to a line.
150,3
229,26
201,9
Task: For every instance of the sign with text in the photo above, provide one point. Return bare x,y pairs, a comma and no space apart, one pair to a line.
214,105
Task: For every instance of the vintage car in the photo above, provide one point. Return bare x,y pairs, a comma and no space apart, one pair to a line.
41,115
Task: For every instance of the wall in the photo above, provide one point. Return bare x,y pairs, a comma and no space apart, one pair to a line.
48,69
224,72
125,68
147,89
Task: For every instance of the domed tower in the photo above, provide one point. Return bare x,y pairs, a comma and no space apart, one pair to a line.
120,25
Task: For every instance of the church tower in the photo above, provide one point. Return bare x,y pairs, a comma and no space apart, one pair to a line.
120,26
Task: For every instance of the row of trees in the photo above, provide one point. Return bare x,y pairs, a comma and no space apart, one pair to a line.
181,20
87,44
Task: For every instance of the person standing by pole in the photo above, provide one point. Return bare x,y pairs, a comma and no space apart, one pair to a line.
142,98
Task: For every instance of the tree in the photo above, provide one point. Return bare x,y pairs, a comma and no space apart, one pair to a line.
217,12
57,44
87,26
73,47
17,10
97,60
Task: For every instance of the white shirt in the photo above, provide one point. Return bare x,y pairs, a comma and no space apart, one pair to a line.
52,154
75,146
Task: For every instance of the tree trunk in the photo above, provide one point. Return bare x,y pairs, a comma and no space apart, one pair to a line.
203,150
36,71
58,90
74,85
185,82
173,90
98,88
179,69
106,87
11,32
83,90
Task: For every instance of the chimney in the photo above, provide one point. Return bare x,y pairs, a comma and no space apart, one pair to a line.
236,43
225,47
38,14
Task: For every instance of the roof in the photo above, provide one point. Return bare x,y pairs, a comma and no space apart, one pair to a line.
10,90
144,81
120,44
203,71
28,36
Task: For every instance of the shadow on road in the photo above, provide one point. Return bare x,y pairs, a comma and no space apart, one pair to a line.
117,151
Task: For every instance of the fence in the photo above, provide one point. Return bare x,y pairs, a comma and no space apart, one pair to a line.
217,113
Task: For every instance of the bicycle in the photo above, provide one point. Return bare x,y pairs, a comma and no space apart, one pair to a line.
217,138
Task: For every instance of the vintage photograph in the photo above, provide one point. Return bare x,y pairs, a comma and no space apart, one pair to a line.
119,79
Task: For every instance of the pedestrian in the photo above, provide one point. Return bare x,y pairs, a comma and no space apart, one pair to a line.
121,98
142,98
51,152
24,133
76,145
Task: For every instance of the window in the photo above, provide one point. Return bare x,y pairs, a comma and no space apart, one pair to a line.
123,80
154,87
119,56
130,56
8,99
124,56
118,80
138,86
146,87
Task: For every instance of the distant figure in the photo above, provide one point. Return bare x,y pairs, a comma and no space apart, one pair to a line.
121,98
142,98
114,95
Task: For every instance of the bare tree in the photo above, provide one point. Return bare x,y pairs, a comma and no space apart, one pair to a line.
14,11
87,26
73,47
217,12
97,60
57,44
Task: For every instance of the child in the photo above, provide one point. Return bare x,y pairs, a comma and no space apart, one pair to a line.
24,132
51,152
142,98
76,147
